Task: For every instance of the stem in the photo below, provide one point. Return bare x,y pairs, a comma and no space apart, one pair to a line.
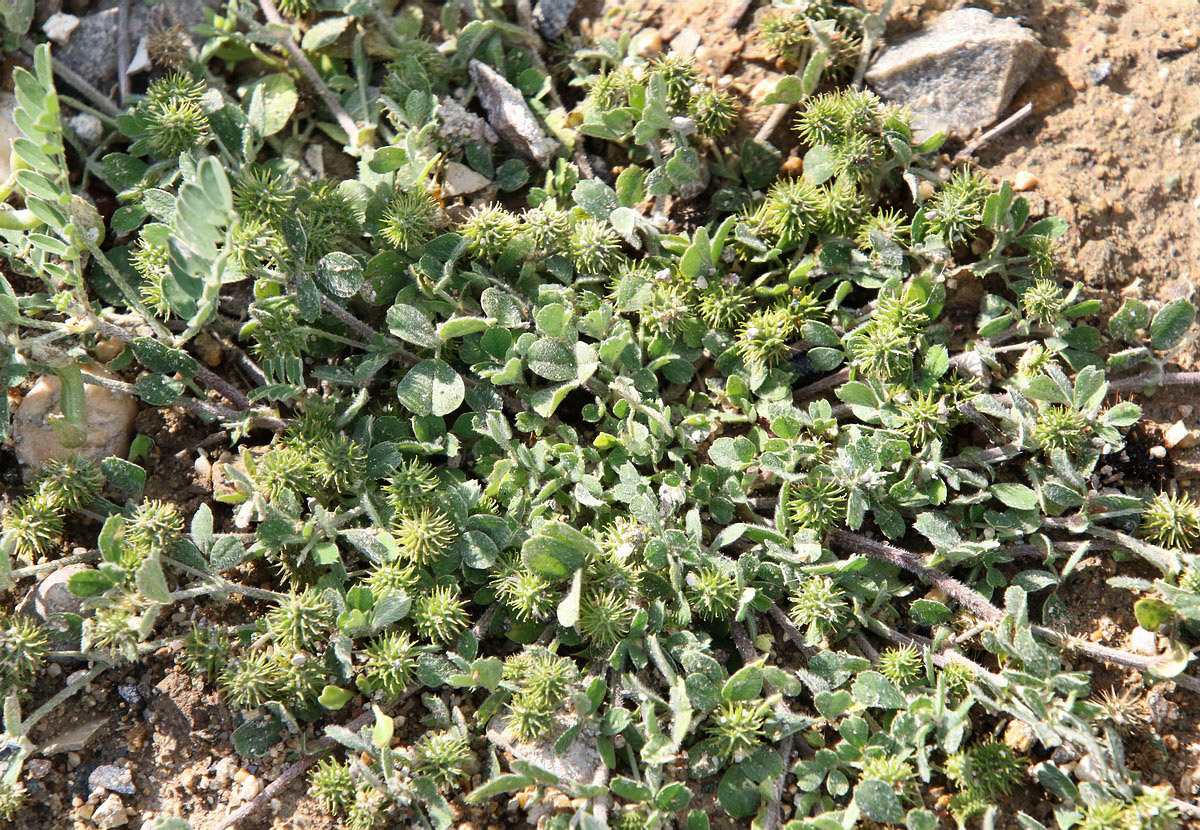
223,585
123,88
983,609
44,567
1154,378
297,54
50,705
131,296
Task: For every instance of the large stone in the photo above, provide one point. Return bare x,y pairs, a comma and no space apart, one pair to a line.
510,116
51,595
109,421
91,49
959,73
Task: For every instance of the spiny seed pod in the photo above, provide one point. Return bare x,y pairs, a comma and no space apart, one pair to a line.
169,48
300,621
1043,255
817,502
12,797
175,126
1172,521
1189,580
155,526
958,679
549,229
679,76
1034,361
631,817
35,526
1106,815
738,728
594,247
412,485
300,677
803,307
882,353
255,244
819,605
1062,428
332,786
369,810
956,211
990,767
431,61
151,263
424,534
263,193
24,645
391,661
883,228
546,677
525,593
70,485
206,651
440,615
330,215
445,757
604,618
113,630
295,8
829,119
902,665
176,86
339,462
792,210
723,306
714,111
1043,301
764,340
892,770
841,206
393,579
923,418
610,90
712,592
281,468
410,219
1125,710
530,719
251,680
668,312
488,230
857,156
902,311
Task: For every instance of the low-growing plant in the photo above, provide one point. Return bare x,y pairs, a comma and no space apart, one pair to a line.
639,447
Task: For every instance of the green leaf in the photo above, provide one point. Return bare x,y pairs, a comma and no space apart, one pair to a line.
878,802
384,729
630,790
324,33
557,550
820,164
500,784
938,529
461,327
673,797
737,794
1152,613
123,475
596,198
1171,323
552,359
410,325
872,689
254,739
431,387
744,684
150,580
340,274
1015,495
760,162
88,583
272,99
334,697
929,612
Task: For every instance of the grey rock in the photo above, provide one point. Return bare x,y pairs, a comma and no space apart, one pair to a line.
509,115
578,763
92,49
959,73
50,596
551,16
1098,72
112,778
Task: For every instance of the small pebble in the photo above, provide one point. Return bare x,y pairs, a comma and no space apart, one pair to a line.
1024,180
1158,452
646,43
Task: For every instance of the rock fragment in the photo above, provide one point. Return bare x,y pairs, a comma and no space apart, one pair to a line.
51,596
113,778
578,762
59,27
510,116
1178,436
111,813
461,180
551,16
959,73
109,421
